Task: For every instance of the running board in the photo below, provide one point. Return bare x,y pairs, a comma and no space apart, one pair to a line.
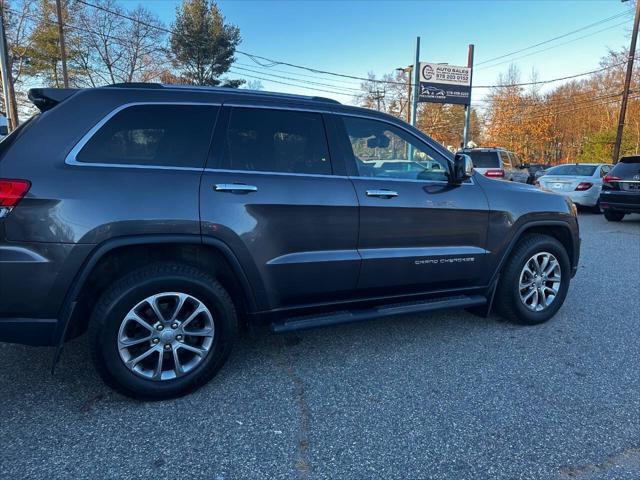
349,316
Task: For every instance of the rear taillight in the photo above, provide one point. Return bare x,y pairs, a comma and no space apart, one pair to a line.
610,178
582,186
12,191
494,173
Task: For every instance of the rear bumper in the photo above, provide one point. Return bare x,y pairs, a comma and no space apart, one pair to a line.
35,277
587,198
28,331
627,202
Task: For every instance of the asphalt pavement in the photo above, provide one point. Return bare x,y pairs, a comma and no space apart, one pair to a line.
443,396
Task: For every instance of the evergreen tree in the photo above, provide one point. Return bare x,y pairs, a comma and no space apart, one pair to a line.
202,44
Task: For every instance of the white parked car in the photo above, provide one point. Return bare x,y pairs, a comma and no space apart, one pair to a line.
581,182
3,127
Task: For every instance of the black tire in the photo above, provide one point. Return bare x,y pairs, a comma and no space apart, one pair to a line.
125,293
613,216
507,299
597,208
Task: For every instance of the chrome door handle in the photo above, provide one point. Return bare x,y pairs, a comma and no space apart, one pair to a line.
383,193
234,188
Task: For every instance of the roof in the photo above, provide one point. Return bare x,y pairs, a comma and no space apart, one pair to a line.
47,98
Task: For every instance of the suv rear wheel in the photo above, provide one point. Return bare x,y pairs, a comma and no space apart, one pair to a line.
535,280
613,216
162,331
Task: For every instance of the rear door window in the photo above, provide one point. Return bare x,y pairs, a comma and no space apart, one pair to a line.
271,140
153,135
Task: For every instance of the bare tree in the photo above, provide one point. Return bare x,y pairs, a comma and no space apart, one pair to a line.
117,49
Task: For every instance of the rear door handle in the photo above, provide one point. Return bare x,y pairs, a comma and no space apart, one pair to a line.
382,193
235,188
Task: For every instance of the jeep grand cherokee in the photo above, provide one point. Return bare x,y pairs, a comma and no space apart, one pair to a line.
162,219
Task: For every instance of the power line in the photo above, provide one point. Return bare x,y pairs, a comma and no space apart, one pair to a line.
298,74
542,82
511,60
298,80
553,39
292,84
273,62
561,112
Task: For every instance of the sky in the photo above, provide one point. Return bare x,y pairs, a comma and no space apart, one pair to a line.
357,37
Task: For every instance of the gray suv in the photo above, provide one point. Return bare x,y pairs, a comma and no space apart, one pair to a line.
162,220
498,163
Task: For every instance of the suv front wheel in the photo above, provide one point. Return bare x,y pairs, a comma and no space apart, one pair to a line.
162,331
534,282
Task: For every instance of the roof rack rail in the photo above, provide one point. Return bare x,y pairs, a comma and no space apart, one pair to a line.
135,85
325,99
244,91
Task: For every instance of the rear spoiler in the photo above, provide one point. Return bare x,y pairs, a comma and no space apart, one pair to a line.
47,98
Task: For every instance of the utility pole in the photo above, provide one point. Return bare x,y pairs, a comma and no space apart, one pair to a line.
627,83
377,95
409,71
416,82
7,79
63,49
467,108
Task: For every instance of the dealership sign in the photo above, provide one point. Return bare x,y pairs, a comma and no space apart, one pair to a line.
444,84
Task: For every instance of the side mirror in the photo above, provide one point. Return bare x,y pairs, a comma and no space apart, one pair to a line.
462,167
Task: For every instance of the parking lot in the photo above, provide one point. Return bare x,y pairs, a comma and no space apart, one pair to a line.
446,395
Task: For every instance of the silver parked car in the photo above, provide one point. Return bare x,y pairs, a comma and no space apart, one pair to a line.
581,182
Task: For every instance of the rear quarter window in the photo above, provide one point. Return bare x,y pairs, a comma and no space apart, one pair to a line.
153,135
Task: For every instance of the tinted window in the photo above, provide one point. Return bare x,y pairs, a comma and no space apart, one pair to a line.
506,162
154,135
574,170
627,167
484,159
272,140
516,161
382,150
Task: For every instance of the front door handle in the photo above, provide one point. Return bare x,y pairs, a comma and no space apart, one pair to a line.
235,188
382,193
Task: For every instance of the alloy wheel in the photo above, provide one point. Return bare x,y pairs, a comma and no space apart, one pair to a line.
165,336
540,280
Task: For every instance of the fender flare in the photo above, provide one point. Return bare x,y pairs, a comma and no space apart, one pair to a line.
538,223
71,298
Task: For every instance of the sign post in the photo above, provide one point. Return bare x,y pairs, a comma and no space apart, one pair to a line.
443,83
467,108
416,81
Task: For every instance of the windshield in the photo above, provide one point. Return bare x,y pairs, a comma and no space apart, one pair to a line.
484,159
573,170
